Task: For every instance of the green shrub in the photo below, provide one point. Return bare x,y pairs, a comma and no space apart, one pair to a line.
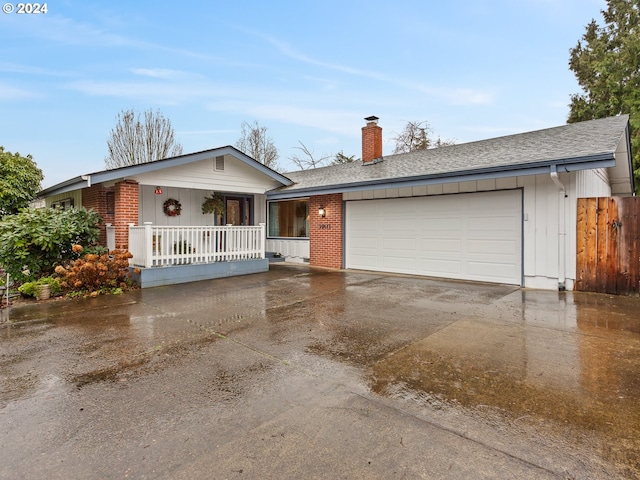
29,289
34,241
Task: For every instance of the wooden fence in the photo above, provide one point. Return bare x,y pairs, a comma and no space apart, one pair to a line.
608,253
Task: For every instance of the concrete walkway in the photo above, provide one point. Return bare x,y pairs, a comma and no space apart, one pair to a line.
305,373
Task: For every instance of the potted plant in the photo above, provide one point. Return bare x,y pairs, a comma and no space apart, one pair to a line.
181,247
214,203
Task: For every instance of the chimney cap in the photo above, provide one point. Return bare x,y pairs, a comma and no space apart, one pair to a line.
372,119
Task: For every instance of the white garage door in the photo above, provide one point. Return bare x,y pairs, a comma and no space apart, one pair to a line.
471,236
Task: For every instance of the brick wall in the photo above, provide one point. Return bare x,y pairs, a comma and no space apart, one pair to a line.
95,198
325,236
126,211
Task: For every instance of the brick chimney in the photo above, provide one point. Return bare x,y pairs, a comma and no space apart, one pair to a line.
371,140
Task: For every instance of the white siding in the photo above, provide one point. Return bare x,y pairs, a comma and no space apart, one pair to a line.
237,177
592,183
292,250
150,207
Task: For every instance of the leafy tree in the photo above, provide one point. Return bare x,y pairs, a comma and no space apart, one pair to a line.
307,159
20,180
606,63
135,140
34,241
418,136
341,158
255,142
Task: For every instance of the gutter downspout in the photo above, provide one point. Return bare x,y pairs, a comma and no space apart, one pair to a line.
87,178
561,228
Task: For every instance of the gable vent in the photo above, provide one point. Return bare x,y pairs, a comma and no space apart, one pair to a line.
219,163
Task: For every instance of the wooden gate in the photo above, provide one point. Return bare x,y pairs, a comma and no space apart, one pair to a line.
608,254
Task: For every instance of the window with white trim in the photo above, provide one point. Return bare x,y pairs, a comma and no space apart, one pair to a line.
288,218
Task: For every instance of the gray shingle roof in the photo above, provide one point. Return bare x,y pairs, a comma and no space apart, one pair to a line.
572,143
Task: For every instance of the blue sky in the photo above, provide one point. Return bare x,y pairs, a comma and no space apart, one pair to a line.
308,71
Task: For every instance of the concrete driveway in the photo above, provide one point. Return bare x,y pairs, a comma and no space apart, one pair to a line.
304,373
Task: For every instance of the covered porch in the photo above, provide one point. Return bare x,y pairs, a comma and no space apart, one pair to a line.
165,255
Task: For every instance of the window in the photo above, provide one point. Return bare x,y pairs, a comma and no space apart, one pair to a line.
111,203
63,204
289,218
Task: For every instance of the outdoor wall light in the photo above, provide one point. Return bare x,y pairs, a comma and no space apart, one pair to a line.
158,191
322,212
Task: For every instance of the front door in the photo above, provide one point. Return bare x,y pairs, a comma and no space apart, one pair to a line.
238,210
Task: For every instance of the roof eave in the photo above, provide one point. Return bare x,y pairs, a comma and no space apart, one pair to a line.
84,181
564,165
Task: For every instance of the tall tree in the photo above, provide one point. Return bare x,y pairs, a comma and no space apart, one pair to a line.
20,180
606,63
340,158
137,140
255,142
418,136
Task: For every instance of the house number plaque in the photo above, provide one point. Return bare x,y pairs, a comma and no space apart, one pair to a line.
325,226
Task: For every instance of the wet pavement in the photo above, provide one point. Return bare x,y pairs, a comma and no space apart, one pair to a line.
308,373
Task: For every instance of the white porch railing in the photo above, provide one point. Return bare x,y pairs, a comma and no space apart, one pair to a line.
111,237
154,246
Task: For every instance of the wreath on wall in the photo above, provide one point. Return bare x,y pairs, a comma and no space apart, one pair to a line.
172,208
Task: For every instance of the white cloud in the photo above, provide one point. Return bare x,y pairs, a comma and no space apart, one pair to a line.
456,96
205,132
337,121
164,73
9,93
31,70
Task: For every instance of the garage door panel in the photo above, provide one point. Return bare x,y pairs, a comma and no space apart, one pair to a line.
440,245
475,236
399,225
399,243
399,264
491,224
441,267
498,248
489,271
439,224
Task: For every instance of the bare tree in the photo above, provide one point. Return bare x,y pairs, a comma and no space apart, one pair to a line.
307,160
135,141
417,136
255,143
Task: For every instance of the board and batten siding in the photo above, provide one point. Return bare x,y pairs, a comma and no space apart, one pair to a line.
150,207
540,227
237,177
76,195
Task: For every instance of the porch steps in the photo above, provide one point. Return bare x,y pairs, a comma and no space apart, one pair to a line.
272,258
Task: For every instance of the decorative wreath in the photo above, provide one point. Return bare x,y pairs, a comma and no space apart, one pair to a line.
172,207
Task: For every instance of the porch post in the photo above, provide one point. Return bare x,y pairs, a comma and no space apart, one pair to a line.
148,245
262,240
126,210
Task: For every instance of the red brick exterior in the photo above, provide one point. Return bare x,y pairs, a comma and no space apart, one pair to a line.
371,142
325,235
126,211
95,198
